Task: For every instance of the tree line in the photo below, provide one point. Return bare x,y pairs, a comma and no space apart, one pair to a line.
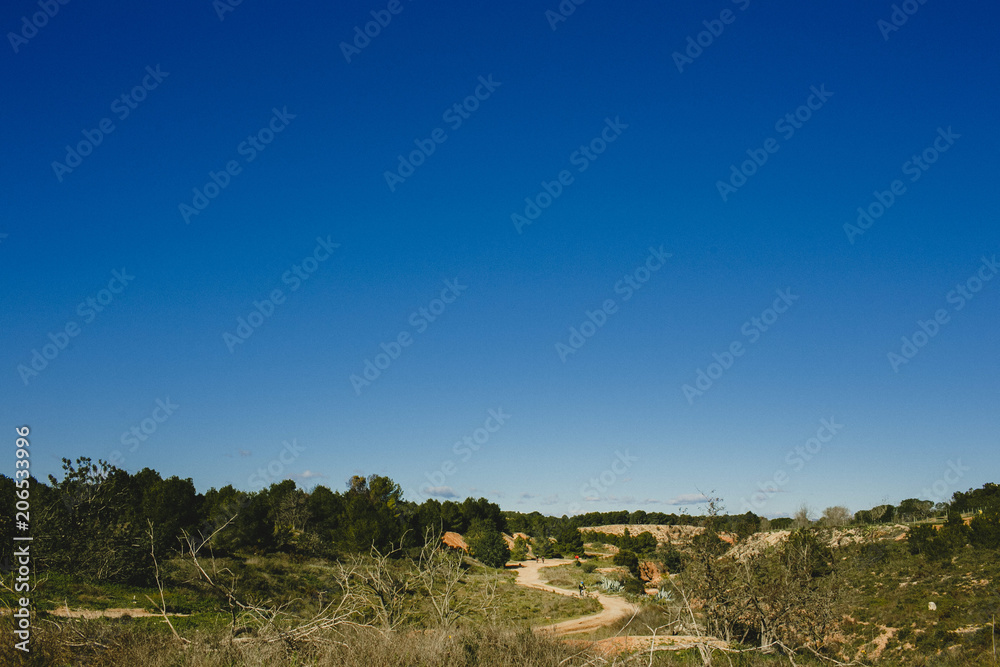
102,523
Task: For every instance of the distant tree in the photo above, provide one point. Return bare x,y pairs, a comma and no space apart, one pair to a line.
172,505
924,540
628,559
520,550
638,517
644,543
570,541
836,516
781,523
91,525
984,529
325,509
544,547
486,544
987,497
801,518
372,514
883,513
913,509
746,524
670,558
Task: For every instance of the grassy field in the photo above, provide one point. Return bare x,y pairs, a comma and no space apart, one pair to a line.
894,608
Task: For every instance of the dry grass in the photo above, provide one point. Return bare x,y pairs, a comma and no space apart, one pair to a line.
110,643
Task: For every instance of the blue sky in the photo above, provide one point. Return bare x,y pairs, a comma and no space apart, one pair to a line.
641,138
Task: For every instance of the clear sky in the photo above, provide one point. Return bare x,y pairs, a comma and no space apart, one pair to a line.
688,167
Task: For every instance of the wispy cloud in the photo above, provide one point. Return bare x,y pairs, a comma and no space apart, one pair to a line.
308,474
440,491
688,499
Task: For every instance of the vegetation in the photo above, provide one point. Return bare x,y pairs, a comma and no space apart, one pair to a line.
285,576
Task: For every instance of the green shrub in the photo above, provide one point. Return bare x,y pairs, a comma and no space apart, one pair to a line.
589,566
633,586
627,559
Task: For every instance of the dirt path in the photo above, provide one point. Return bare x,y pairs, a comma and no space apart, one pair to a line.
614,607
135,612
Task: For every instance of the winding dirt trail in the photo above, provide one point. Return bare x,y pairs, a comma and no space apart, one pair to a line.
614,607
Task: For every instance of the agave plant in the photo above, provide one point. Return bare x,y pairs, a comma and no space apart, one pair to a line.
664,595
611,585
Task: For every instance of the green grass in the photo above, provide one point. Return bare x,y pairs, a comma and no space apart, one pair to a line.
569,576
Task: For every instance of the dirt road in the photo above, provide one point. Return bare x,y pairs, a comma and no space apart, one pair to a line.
614,607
